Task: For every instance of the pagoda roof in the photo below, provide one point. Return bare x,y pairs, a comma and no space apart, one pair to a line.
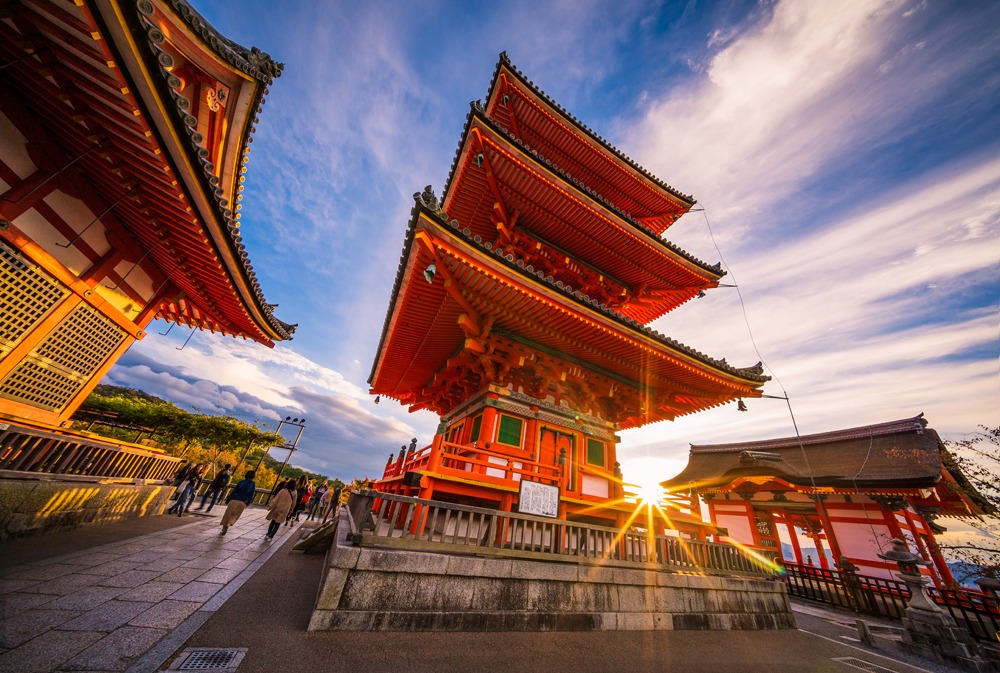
884,457
545,125
564,211
97,78
422,332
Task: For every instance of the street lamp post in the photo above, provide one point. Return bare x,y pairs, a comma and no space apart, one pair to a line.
264,452
300,424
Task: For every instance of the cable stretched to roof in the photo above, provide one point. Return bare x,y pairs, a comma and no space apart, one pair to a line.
753,342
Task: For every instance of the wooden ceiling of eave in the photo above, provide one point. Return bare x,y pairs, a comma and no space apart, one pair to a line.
559,213
665,386
76,93
424,329
547,131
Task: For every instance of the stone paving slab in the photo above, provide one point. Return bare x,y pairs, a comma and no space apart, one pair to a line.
46,652
116,651
86,598
104,608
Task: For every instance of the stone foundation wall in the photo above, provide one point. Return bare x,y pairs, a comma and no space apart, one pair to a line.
29,506
393,590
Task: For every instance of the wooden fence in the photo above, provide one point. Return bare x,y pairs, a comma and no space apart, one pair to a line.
28,450
382,519
976,612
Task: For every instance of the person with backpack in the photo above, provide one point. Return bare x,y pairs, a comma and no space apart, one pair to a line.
180,486
239,498
316,500
216,487
194,479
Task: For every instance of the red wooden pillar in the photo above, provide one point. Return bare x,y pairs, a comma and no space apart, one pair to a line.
831,536
938,560
487,431
794,538
887,505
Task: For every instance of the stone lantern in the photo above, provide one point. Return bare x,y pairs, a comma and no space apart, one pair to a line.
928,630
909,571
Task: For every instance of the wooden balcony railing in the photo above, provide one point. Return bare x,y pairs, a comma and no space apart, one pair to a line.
492,462
382,519
28,450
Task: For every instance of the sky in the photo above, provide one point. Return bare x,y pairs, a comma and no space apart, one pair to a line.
845,158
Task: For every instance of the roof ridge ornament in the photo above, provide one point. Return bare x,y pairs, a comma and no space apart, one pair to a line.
428,198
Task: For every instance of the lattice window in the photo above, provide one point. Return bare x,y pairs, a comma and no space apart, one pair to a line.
595,452
64,361
40,386
27,295
82,342
510,431
477,425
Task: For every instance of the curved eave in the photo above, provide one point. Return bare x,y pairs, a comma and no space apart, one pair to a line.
714,481
201,184
542,186
553,301
668,195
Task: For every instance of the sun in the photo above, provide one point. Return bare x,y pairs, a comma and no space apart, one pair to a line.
647,487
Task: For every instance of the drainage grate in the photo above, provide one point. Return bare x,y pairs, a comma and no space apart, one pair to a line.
863,665
212,660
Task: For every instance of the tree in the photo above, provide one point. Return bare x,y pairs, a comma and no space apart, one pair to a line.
977,457
114,411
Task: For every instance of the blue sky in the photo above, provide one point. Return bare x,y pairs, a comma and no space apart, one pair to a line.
846,155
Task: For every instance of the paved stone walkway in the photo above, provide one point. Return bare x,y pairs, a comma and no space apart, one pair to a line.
124,604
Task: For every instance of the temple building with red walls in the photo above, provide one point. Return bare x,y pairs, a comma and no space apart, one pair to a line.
125,129
849,491
520,309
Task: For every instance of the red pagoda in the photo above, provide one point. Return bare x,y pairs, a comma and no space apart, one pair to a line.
519,314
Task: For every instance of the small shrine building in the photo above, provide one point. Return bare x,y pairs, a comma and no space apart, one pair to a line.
519,315
849,491
125,129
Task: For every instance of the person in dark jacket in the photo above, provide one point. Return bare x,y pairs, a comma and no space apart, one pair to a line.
181,480
241,496
194,478
216,487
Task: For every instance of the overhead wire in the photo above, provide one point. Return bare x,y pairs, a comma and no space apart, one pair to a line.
753,342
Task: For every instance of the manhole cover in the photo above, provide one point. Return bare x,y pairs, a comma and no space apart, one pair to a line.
210,659
863,665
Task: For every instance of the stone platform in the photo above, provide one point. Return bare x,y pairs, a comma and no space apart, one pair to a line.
367,589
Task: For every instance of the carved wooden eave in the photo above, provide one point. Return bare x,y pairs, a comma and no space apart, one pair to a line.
509,195
97,78
430,336
530,114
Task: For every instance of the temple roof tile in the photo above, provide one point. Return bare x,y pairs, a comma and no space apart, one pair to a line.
430,207
478,110
504,61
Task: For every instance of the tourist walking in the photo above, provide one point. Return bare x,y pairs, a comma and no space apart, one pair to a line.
239,498
280,509
316,501
215,488
181,480
193,482
302,489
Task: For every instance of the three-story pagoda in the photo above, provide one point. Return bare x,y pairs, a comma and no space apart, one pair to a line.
520,308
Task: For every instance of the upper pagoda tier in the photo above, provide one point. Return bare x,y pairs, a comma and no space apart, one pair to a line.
465,314
537,121
508,194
